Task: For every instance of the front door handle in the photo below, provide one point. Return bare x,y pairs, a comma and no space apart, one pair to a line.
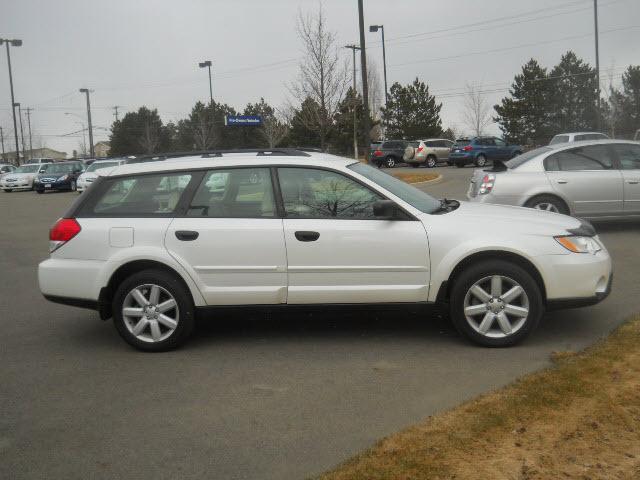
633,182
186,235
304,236
562,182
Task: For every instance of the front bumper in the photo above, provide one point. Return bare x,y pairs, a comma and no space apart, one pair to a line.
19,185
42,187
562,303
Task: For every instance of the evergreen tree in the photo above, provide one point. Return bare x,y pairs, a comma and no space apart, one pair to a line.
139,133
300,134
524,116
630,101
342,138
411,112
572,98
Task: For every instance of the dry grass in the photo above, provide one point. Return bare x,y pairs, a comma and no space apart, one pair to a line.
579,419
415,177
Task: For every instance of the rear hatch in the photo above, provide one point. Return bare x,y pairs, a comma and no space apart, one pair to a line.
458,147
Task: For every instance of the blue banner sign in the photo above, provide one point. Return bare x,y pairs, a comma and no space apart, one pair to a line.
243,120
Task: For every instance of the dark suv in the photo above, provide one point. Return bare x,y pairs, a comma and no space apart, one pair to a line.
58,176
479,150
388,154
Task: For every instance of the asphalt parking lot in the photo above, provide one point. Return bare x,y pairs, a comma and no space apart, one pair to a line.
250,397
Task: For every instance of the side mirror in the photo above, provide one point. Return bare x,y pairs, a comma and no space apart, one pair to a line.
385,209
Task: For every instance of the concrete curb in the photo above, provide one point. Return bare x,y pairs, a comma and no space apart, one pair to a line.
438,179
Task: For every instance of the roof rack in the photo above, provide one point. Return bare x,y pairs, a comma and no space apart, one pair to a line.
279,152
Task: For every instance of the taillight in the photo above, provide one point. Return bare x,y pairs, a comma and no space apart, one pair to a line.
377,153
468,148
488,181
63,231
420,148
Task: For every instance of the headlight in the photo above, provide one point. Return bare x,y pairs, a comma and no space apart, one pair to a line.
63,178
579,244
36,180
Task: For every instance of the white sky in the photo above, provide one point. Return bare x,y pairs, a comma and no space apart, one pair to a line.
143,52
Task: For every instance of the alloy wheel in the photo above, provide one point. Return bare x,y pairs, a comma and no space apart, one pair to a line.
391,162
431,162
547,206
150,313
496,306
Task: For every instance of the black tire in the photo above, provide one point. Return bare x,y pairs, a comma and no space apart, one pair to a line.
9,190
459,165
182,296
481,161
488,268
541,201
39,191
431,161
390,162
73,186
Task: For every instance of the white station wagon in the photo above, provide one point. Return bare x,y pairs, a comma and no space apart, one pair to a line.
152,244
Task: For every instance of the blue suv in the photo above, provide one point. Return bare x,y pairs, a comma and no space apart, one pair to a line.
479,150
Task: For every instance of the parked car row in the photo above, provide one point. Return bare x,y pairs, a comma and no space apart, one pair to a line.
478,151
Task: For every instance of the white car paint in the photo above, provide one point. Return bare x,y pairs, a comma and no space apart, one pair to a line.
256,261
20,179
93,171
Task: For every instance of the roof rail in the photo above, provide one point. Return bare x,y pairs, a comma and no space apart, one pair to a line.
289,152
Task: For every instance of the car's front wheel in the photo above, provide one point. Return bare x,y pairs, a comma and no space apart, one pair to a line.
153,311
495,303
73,186
548,203
390,162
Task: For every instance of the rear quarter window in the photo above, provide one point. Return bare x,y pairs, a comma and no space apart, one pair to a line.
139,196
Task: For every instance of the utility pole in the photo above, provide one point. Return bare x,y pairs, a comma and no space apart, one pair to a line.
28,110
363,71
15,43
2,141
115,109
355,102
86,91
595,16
24,153
207,64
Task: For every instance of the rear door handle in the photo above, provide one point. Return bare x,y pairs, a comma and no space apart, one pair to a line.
633,182
304,236
186,235
562,182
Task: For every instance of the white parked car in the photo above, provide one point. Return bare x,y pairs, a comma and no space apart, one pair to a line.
20,178
153,244
577,137
91,173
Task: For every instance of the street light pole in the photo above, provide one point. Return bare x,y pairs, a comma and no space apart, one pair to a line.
86,91
595,16
374,28
29,109
207,64
2,141
363,72
355,102
24,150
15,43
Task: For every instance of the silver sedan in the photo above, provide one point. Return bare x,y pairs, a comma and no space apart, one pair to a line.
592,179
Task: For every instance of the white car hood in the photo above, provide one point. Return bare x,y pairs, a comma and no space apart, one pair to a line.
512,219
19,176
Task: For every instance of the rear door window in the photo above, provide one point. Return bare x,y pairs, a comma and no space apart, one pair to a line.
142,195
595,157
628,155
234,193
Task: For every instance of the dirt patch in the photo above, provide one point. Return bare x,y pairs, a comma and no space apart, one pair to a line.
579,419
415,177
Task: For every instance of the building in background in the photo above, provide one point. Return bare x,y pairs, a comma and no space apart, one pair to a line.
102,149
36,153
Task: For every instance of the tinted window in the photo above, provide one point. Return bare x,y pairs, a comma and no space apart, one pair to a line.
58,168
142,195
499,143
488,142
431,144
629,156
413,144
595,157
234,193
312,193
589,136
463,142
559,139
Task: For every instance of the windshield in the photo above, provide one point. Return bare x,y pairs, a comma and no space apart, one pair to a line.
27,169
414,197
95,166
525,157
54,168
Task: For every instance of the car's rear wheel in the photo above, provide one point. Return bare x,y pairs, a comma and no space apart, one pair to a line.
390,162
481,161
548,203
153,311
431,161
495,303
39,191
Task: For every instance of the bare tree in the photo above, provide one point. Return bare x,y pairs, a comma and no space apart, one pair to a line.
274,130
204,132
376,88
149,140
477,110
321,76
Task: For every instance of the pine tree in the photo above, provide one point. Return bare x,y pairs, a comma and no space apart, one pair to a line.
524,116
139,133
342,138
411,112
